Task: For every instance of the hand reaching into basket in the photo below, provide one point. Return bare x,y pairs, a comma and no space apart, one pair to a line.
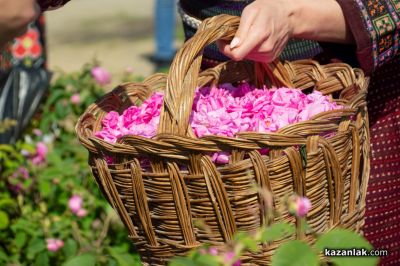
267,25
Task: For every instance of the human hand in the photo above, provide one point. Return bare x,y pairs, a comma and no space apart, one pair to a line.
264,29
15,16
267,25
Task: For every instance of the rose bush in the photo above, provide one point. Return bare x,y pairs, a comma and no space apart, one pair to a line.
51,210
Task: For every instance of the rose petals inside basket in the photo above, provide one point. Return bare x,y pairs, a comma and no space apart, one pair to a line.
223,111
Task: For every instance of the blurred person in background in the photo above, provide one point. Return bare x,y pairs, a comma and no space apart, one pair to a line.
24,78
164,20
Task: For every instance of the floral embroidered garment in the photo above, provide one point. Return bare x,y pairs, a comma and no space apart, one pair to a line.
27,50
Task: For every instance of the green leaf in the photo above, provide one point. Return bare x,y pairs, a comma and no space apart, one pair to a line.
247,241
6,148
27,183
294,253
42,259
6,203
207,260
54,96
35,246
26,226
112,262
86,259
54,158
20,239
277,231
341,239
250,244
4,220
45,188
3,255
70,248
183,262
123,259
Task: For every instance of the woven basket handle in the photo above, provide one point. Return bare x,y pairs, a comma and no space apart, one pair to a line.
184,72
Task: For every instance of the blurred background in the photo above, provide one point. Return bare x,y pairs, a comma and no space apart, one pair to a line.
119,33
50,216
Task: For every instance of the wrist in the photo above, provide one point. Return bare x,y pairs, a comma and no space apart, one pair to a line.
295,14
321,20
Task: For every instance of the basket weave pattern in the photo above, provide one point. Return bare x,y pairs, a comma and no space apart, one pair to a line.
325,159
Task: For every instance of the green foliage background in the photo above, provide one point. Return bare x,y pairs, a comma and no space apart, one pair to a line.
40,209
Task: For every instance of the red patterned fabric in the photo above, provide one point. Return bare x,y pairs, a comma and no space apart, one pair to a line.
382,227
375,26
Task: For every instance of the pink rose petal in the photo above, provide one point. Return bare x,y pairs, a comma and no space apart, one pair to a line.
223,111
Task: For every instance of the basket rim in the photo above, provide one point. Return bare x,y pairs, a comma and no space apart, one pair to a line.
86,131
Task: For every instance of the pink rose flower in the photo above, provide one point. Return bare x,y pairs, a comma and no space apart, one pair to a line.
303,206
111,120
59,243
109,159
299,206
53,245
41,149
22,172
75,203
17,179
102,76
221,157
75,98
229,256
37,132
40,155
81,213
213,251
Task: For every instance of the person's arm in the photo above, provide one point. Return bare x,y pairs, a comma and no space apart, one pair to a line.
15,17
321,20
267,25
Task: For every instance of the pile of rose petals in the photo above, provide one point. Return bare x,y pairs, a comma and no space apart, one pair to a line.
223,111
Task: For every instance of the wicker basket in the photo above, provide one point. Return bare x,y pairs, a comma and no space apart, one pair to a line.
160,206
